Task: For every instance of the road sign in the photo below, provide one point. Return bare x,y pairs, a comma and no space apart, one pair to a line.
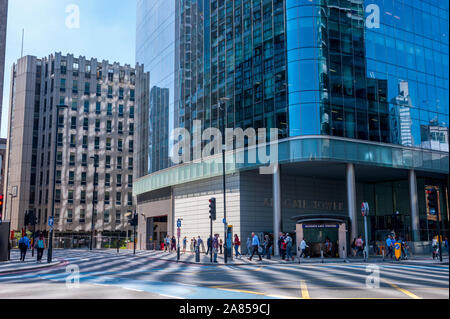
50,221
365,208
224,221
432,211
178,232
179,223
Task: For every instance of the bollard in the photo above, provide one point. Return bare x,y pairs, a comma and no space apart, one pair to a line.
382,251
321,255
197,255
343,254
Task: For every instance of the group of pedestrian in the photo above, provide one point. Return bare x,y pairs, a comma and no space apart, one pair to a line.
391,240
38,243
285,245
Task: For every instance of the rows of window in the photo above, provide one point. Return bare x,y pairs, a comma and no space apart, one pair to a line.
120,162
99,92
69,216
117,200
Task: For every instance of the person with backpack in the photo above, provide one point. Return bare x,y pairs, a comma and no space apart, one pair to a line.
40,246
24,244
237,243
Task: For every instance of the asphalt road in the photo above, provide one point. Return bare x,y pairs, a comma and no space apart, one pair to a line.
105,274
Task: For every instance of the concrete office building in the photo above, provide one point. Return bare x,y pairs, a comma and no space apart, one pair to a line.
95,133
3,24
356,89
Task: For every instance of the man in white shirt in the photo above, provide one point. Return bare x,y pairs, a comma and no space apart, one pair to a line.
302,248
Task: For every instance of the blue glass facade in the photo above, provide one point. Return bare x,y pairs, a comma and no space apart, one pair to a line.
373,70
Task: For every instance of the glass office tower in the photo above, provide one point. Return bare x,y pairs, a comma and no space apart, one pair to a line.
351,82
369,70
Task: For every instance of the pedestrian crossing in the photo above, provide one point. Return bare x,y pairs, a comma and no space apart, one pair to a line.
146,273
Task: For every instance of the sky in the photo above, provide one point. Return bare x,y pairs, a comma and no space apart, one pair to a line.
105,30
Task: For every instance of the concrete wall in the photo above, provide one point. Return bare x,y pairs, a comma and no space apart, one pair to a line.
191,203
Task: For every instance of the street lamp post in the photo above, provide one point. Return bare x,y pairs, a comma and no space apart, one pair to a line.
50,237
93,203
225,226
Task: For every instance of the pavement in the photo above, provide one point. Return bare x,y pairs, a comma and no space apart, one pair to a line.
104,274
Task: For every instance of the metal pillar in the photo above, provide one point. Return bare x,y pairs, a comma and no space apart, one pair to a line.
414,205
351,200
276,178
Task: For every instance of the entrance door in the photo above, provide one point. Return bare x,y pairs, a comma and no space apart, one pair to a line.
320,236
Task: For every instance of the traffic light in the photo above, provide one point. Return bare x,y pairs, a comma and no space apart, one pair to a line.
27,218
134,220
212,208
32,218
432,200
1,207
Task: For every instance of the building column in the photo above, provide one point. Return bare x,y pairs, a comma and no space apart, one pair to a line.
414,205
276,178
351,200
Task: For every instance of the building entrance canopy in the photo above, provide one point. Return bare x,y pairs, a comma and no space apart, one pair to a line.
303,149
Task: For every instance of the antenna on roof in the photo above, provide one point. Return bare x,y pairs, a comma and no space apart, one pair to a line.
23,34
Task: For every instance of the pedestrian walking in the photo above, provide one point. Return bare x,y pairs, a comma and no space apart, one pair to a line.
280,245
435,248
192,246
359,246
255,245
389,247
40,246
208,244
167,244
215,247
354,247
288,241
173,244
446,244
249,246
302,249
220,245
24,244
200,244
267,247
237,243
184,244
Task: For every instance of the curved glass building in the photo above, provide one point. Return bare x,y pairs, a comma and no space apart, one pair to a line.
358,92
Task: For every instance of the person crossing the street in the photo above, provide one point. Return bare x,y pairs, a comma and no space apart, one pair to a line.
255,245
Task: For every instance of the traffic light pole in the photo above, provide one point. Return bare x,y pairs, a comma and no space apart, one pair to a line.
211,240
439,225
134,233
